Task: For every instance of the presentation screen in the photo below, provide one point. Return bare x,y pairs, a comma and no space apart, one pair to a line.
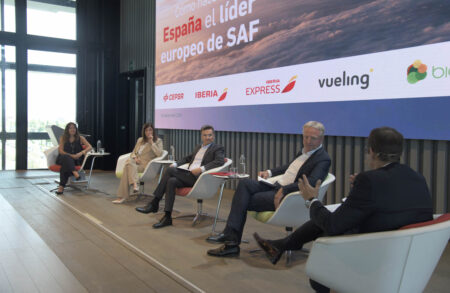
270,66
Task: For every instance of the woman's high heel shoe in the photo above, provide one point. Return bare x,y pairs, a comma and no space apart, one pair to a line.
121,200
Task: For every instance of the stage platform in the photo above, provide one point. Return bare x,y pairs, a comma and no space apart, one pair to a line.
82,242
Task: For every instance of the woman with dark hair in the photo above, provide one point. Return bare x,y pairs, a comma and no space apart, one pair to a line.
148,147
71,154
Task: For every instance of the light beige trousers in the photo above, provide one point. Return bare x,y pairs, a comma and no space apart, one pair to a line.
129,176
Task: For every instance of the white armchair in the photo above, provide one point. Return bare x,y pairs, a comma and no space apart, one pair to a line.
205,187
292,211
151,170
393,261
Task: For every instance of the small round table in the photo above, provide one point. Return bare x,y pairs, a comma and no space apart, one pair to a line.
163,165
226,177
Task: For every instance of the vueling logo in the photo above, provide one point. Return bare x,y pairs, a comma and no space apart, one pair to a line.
416,71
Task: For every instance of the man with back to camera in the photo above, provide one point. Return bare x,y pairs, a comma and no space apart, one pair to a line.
207,155
252,195
387,197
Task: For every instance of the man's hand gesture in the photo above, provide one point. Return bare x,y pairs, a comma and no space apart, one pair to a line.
306,190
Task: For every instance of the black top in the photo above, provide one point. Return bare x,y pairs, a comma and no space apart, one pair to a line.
74,148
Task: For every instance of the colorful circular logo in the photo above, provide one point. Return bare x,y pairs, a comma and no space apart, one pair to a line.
416,71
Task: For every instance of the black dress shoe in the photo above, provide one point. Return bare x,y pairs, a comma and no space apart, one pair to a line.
150,208
226,250
220,238
165,221
59,192
273,253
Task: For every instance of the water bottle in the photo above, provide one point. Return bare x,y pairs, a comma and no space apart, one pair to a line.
242,165
172,153
99,145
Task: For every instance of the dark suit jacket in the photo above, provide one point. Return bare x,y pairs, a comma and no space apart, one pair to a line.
315,168
214,157
380,200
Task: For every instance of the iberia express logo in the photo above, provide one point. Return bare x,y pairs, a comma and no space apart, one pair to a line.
271,86
416,72
290,85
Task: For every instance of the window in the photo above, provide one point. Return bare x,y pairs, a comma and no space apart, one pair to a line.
8,107
8,16
51,98
52,20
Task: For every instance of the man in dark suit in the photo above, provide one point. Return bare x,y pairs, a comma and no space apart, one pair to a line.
206,156
388,197
252,195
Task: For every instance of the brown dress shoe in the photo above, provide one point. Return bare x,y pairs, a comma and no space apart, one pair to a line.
273,253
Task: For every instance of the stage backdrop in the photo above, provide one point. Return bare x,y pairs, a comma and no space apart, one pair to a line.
270,66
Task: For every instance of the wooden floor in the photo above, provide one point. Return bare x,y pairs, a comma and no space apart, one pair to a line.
81,242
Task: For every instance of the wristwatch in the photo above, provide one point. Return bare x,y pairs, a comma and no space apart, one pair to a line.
308,202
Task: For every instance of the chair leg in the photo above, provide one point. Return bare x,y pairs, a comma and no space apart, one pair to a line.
288,252
198,215
142,191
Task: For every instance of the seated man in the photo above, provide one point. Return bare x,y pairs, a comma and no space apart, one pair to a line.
206,156
252,195
388,197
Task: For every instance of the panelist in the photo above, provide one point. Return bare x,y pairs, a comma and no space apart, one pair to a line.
251,195
387,197
147,147
71,154
207,155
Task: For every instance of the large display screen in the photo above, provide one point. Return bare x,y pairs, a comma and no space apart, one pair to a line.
270,66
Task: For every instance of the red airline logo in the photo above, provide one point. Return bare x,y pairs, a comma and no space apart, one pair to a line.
290,85
211,94
224,95
272,86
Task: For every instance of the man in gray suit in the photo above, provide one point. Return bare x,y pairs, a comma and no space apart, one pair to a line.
207,155
251,195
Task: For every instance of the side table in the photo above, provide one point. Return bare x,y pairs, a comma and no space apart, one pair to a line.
226,176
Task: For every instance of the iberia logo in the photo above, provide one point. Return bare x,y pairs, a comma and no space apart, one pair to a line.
224,95
416,71
290,85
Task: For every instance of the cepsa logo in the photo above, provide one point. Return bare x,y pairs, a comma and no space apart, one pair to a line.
173,97
211,94
272,86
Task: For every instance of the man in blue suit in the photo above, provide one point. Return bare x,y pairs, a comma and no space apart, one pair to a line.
251,195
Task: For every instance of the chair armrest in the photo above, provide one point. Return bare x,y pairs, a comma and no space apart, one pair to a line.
121,162
379,262
152,168
207,184
51,155
292,212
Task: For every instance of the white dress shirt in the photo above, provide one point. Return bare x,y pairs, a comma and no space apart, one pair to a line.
289,176
197,163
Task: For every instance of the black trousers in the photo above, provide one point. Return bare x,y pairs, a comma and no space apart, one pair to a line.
67,167
250,195
173,178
